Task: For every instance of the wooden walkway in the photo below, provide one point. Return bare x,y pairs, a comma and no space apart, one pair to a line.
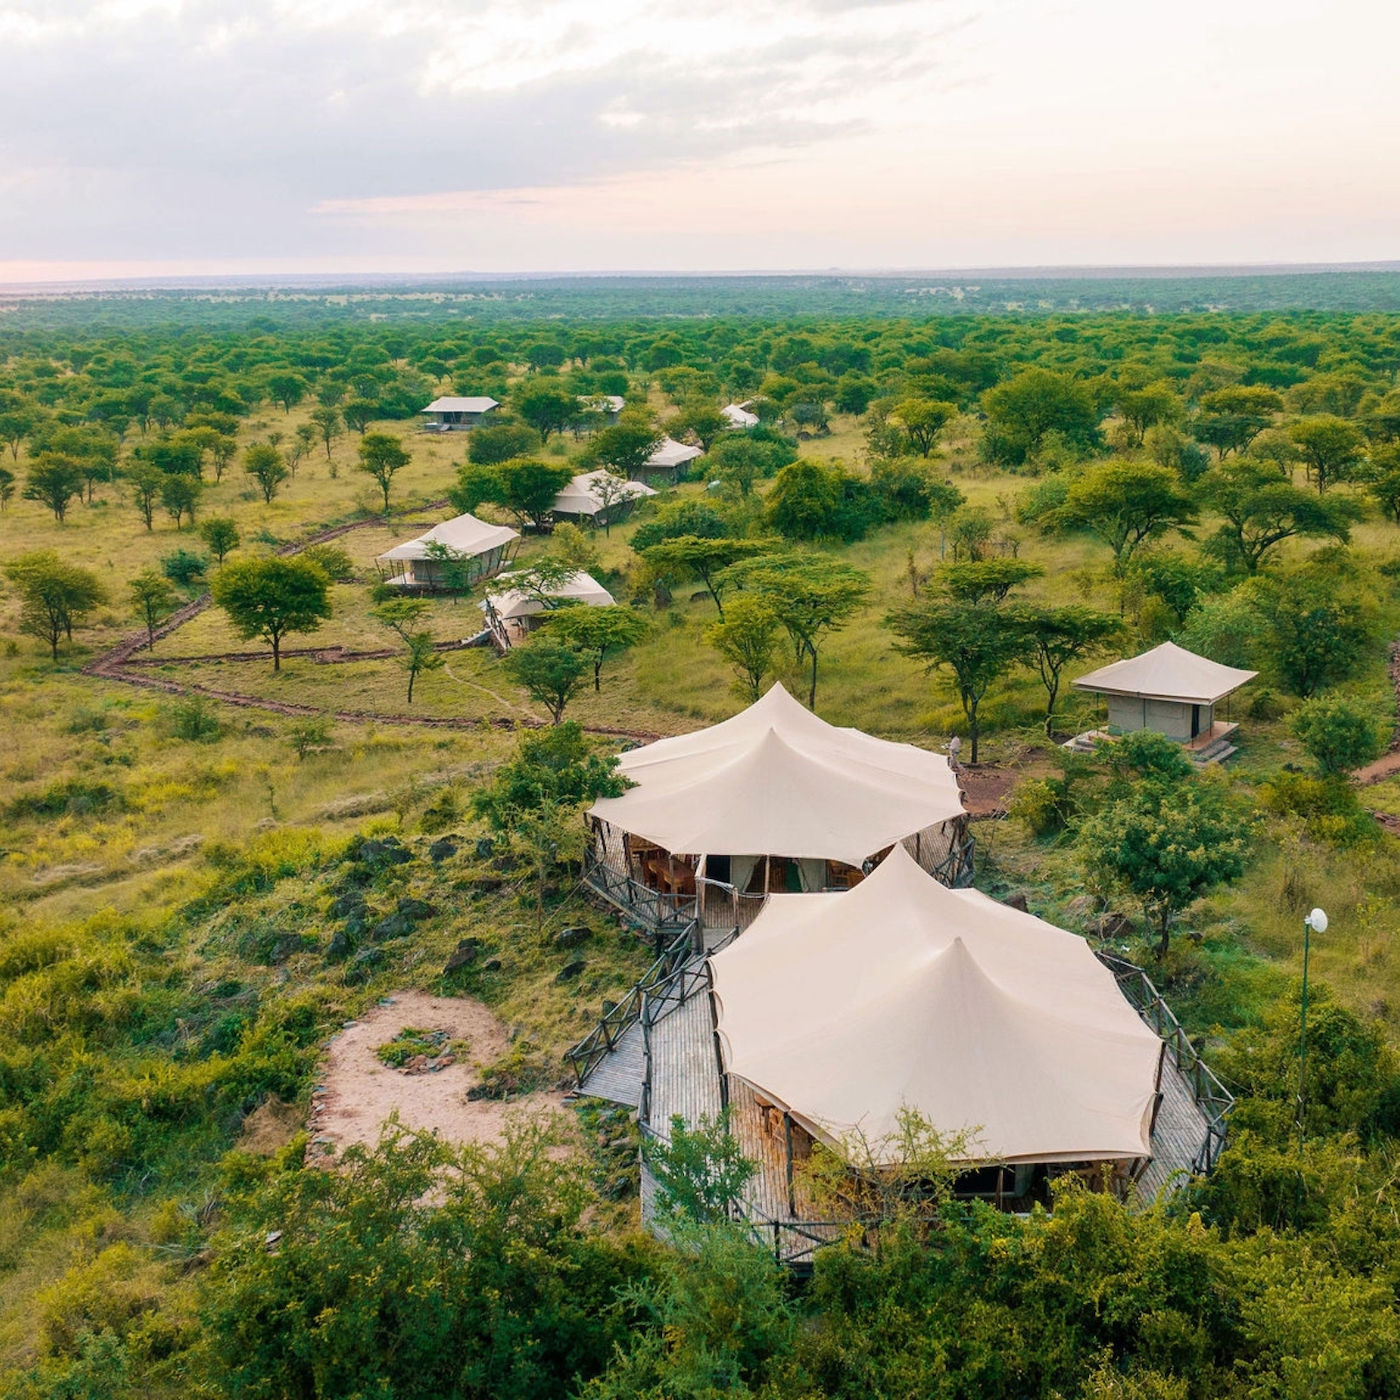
684,1065
620,1074
1178,1135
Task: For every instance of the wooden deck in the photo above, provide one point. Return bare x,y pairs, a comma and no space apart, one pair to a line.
684,1067
1178,1136
618,1077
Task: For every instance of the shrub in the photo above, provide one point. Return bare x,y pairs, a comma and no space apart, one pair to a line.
1337,735
333,561
1328,806
184,568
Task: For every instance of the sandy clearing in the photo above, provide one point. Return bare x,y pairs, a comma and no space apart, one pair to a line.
360,1092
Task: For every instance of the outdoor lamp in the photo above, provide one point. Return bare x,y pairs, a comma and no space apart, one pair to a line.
1315,922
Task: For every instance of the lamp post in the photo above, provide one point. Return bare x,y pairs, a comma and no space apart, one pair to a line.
1315,922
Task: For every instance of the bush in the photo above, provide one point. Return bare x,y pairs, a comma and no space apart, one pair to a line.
333,561
1328,806
1338,736
184,568
194,719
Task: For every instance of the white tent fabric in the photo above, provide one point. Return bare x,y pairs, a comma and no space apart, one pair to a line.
777,780
580,496
847,1008
672,454
739,417
465,535
581,588
1167,672
452,404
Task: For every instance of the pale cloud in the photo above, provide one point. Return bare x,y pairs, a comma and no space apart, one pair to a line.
457,134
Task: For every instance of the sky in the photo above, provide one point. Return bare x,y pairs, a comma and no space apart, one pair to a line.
143,138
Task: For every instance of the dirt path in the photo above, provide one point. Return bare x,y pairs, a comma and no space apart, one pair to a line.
358,1093
985,789
1388,764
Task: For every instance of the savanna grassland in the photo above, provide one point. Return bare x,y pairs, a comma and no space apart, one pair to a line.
197,894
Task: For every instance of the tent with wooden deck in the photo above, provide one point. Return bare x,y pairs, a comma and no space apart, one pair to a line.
841,1011
419,563
597,497
777,800
1169,690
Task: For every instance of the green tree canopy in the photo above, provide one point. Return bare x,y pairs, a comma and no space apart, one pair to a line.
1331,448
1125,504
491,444
549,671
599,633
983,580
54,481
1023,410
1338,734
704,559
557,766
220,535
264,463
627,445
522,486
544,405
1060,636
272,598
382,457
922,420
746,637
55,596
152,598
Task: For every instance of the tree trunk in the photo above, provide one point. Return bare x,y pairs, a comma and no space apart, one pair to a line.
412,676
1054,692
276,654
812,693
597,674
974,729
1164,933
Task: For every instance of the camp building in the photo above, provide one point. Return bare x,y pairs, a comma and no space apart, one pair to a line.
513,613
668,462
419,564
598,498
772,801
1172,691
452,414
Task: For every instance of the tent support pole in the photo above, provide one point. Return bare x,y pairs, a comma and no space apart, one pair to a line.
787,1140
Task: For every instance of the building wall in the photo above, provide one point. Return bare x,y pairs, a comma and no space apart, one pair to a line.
1169,717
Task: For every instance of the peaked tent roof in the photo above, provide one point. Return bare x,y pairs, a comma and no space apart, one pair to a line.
579,496
776,780
846,1008
450,403
739,416
673,454
581,588
463,534
1167,672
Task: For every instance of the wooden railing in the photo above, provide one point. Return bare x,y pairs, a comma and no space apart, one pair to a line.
722,906
1212,1097
615,1022
651,909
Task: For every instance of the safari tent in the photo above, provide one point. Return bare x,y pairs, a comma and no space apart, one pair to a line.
511,614
483,548
1169,690
840,1011
451,414
772,801
668,462
738,416
599,497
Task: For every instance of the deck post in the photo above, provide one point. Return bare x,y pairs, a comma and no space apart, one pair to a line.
787,1140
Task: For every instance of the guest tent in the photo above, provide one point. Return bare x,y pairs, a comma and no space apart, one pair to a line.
776,799
737,416
843,1010
513,604
452,414
1168,689
596,496
483,546
668,461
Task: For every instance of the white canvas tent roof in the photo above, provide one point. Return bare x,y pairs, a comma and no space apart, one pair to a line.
739,416
777,780
463,534
581,587
579,496
1167,672
846,1008
673,454
452,404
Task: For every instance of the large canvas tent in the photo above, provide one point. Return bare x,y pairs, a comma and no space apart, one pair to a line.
482,546
776,799
1168,689
844,1010
516,605
597,496
667,461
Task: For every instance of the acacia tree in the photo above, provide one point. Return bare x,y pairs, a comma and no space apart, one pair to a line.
544,406
404,617
599,633
179,495
221,535
923,420
270,598
264,464
1231,418
1330,447
382,457
523,486
706,559
55,596
1125,504
812,596
1056,637
152,599
145,480
984,580
746,636
978,642
549,671
7,487
1261,508
628,444
54,481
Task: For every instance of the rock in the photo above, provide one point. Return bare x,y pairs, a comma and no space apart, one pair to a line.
283,948
351,902
570,970
339,949
442,850
491,965
464,955
415,909
1017,900
573,936
1110,925
266,824
395,926
360,804
382,854
485,848
364,962
1080,907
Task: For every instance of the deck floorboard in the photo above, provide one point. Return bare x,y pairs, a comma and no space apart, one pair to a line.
618,1076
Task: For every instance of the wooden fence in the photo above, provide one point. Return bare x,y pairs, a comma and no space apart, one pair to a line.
1213,1098
651,909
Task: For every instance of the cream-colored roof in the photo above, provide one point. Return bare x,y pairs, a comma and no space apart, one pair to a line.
673,454
581,588
846,1008
777,780
1167,672
580,497
739,416
463,534
450,403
